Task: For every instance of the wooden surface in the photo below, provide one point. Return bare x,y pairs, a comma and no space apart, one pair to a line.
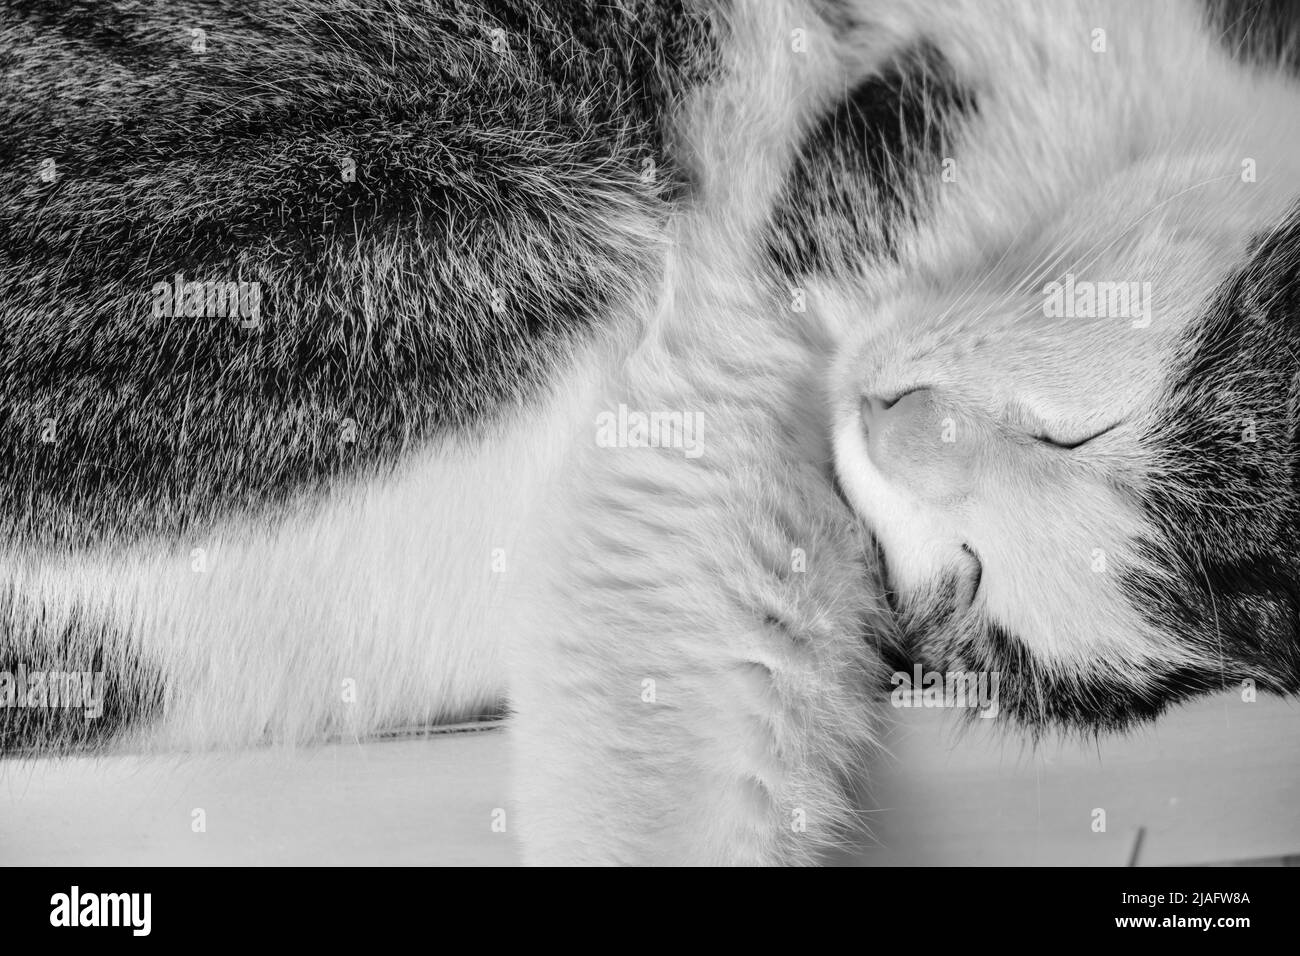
1216,782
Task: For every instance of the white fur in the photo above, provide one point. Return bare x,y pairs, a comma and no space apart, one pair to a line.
1116,165
628,565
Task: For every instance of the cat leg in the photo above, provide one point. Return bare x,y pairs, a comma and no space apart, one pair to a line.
692,681
692,676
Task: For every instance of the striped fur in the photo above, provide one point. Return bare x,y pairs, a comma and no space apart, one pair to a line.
394,498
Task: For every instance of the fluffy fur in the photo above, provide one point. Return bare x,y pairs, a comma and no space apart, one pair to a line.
191,504
508,173
725,627
1098,507
691,647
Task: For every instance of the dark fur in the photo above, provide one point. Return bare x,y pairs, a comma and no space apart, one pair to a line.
1230,508
1264,31
474,171
33,638
477,171
1029,693
885,140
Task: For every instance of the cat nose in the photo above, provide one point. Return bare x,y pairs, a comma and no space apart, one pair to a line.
887,420
873,406
915,438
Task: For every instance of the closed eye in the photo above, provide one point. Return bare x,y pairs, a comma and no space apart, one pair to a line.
1071,445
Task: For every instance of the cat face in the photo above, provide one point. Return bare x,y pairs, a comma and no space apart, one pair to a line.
1077,453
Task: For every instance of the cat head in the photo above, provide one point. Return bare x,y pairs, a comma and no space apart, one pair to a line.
1078,452
1067,399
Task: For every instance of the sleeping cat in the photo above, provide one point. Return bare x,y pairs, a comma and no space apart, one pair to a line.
1092,501
1160,525
1071,424
669,373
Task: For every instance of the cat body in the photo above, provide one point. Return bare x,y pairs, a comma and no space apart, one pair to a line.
610,458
